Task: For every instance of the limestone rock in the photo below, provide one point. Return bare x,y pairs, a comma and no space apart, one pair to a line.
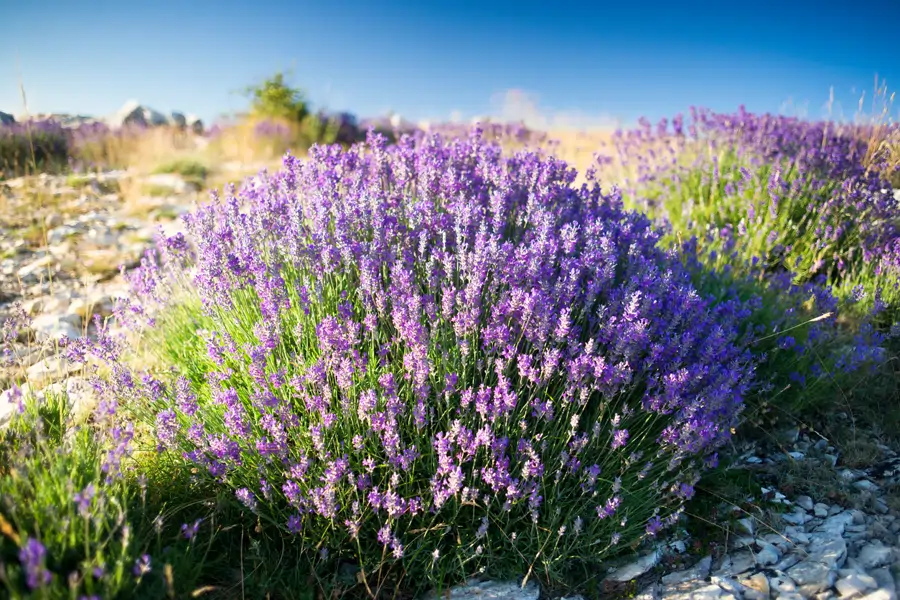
635,569
50,369
490,590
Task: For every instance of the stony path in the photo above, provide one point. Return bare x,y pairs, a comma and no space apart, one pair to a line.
62,242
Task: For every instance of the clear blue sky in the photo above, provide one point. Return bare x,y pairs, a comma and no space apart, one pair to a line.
430,58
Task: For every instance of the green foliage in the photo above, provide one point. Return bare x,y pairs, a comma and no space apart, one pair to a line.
316,130
95,509
190,169
274,98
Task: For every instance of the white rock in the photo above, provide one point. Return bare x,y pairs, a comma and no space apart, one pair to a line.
490,590
46,304
855,585
33,269
875,555
805,502
812,577
850,476
777,497
798,517
59,234
635,569
50,369
885,579
836,524
169,180
651,592
736,563
796,534
786,563
866,485
695,590
878,595
820,510
758,582
82,399
697,572
782,584
96,304
830,552
746,525
768,555
54,327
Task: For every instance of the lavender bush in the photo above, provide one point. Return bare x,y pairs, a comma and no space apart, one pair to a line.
795,211
802,196
32,147
437,357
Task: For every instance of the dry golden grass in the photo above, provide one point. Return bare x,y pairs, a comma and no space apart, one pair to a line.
241,143
578,148
138,150
877,126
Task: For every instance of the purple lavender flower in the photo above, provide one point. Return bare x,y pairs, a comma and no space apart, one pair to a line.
247,498
83,499
142,566
188,532
33,556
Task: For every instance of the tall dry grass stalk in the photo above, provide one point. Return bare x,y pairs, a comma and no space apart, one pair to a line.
253,140
877,127
140,150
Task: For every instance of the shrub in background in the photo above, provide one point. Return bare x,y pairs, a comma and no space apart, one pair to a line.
434,357
798,195
790,213
274,98
280,111
32,147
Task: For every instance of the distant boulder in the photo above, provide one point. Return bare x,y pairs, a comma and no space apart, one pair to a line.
194,123
65,120
155,118
135,114
131,113
176,119
6,118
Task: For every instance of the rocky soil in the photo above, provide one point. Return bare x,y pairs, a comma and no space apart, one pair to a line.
63,241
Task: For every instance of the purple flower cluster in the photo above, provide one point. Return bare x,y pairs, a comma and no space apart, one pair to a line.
396,334
30,145
33,558
805,194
